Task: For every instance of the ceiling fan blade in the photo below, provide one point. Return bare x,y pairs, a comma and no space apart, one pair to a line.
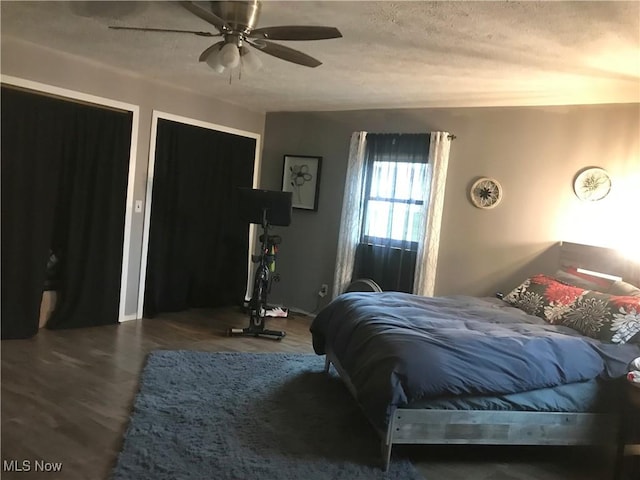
296,32
207,16
286,53
204,55
145,29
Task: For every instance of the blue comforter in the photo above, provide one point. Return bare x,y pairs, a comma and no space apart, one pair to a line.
399,348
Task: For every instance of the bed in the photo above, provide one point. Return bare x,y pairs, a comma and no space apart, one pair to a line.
464,370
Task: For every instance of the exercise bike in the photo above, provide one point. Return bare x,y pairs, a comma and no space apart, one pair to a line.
275,209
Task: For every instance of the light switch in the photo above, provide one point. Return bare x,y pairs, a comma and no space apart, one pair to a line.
138,207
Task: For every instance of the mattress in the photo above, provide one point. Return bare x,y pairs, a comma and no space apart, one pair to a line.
591,396
399,349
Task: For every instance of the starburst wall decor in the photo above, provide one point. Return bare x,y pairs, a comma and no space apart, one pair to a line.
486,193
592,184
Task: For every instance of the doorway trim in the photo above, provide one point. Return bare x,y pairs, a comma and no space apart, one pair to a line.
135,121
157,114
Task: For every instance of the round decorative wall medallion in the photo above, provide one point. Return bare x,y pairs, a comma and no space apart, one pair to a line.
486,193
592,184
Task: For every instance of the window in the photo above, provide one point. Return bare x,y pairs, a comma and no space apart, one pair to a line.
381,261
395,194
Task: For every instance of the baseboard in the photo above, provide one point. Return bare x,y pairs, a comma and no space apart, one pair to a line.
292,310
301,311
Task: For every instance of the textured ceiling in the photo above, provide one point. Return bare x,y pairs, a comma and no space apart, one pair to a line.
392,55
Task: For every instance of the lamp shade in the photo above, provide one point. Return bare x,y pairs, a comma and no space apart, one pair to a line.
213,60
229,55
250,61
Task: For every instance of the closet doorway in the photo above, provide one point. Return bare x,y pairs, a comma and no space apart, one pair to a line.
195,246
66,181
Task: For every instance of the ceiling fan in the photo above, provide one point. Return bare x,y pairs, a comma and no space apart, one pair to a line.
235,22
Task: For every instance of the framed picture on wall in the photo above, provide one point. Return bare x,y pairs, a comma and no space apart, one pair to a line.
301,177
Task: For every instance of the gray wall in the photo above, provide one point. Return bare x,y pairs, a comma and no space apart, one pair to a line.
535,153
38,64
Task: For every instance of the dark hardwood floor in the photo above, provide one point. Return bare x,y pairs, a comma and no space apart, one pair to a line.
67,396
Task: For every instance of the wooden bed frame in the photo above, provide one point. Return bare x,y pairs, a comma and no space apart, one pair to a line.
492,427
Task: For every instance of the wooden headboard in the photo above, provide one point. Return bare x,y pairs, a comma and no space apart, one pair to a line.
599,259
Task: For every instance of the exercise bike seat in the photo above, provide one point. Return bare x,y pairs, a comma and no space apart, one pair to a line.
271,239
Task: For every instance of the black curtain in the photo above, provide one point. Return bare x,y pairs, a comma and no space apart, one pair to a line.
395,192
198,245
391,268
64,182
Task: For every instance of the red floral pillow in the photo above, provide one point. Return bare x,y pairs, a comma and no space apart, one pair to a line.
610,318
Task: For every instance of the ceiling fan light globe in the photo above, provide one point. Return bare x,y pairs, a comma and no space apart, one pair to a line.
218,69
229,56
213,60
251,63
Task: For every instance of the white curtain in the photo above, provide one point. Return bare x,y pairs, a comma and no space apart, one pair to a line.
427,257
351,218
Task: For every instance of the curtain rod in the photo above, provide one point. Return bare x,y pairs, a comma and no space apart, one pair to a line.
450,136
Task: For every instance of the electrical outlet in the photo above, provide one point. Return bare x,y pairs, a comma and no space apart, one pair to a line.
324,289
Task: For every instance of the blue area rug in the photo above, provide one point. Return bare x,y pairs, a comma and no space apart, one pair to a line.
262,416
